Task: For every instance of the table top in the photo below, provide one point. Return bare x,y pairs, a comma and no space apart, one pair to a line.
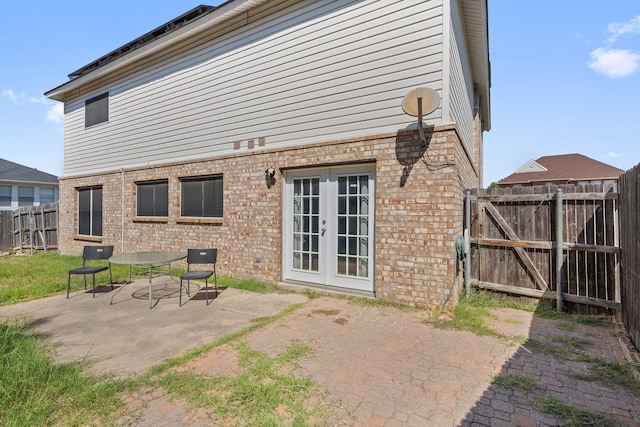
151,257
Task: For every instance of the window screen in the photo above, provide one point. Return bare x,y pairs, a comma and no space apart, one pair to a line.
96,110
153,198
201,197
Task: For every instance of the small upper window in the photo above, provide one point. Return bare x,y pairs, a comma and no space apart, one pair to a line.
96,110
153,198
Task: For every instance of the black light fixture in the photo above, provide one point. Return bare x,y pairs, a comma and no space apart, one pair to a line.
270,176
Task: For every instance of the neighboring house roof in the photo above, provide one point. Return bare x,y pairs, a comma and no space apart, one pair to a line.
564,167
14,172
201,18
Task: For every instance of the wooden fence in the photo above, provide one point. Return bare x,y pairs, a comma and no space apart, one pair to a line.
35,228
629,184
515,246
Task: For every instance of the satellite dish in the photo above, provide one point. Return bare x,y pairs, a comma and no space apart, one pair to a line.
429,101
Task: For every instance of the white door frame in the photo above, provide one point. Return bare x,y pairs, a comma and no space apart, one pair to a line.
321,229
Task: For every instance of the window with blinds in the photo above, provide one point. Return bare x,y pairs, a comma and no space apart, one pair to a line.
153,198
201,197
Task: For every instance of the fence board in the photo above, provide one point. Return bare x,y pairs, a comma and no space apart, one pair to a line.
629,183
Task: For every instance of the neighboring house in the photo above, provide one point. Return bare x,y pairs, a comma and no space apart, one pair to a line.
25,186
562,169
274,131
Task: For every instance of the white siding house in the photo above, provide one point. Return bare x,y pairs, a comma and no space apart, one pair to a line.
312,89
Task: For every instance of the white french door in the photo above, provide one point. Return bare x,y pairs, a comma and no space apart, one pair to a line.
329,227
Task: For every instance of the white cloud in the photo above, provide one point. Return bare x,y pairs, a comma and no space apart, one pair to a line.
618,29
14,97
41,100
613,154
56,113
614,63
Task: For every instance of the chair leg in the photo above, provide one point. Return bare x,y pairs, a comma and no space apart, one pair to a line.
180,299
68,285
206,289
110,276
94,284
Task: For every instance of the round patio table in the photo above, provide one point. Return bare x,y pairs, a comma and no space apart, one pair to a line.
147,264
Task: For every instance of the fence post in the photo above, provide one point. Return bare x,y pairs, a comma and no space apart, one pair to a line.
559,248
44,229
32,225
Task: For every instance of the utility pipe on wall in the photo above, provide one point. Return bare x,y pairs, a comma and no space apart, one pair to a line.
467,243
122,214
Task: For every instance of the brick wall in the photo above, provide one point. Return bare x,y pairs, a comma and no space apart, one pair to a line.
419,209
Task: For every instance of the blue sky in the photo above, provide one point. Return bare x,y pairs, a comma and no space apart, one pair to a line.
565,75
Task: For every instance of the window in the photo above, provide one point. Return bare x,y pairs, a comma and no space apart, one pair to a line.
153,198
201,197
5,195
90,211
96,110
47,195
25,196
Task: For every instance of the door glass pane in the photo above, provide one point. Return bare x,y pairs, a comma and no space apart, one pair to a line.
353,226
306,233
342,265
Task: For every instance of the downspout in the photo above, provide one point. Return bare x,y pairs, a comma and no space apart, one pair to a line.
122,213
467,243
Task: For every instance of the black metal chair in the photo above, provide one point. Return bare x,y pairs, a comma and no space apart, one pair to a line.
92,253
200,256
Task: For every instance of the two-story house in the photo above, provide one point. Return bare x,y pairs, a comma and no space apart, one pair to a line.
274,131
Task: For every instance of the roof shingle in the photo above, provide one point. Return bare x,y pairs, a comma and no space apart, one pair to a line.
564,167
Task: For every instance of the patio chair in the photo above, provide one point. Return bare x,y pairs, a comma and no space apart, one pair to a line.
92,253
200,256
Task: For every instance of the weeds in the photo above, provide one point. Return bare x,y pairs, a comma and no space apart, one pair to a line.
265,393
610,374
571,416
522,382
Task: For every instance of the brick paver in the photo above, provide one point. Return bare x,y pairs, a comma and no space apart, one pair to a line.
385,366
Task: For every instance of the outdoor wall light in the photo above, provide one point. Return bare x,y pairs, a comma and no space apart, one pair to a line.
270,176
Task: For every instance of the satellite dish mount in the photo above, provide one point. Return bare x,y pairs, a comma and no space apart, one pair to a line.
419,102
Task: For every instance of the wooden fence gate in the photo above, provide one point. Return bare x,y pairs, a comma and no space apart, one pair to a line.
35,228
515,246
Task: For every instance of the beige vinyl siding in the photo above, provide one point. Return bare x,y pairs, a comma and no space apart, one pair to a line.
316,71
461,89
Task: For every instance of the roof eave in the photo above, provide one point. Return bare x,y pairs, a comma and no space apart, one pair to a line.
476,18
213,18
